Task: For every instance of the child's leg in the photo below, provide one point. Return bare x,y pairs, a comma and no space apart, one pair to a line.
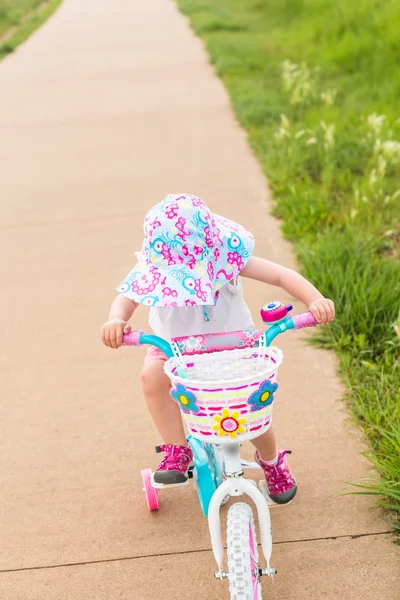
266,445
165,412
178,458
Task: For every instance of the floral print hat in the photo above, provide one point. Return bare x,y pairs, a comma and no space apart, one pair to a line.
188,254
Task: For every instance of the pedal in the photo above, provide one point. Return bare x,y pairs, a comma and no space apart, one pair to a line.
162,486
262,486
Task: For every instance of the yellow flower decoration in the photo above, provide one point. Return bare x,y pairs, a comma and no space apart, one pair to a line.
229,424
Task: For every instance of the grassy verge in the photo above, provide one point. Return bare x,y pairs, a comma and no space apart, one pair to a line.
315,84
19,18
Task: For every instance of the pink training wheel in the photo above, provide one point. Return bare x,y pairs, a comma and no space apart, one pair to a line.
150,492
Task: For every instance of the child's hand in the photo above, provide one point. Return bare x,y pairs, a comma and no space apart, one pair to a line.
112,331
323,310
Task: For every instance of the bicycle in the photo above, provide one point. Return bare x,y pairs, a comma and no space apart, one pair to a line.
223,407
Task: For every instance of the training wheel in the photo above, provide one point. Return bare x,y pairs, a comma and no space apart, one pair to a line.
150,492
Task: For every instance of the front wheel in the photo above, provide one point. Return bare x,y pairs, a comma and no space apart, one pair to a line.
243,566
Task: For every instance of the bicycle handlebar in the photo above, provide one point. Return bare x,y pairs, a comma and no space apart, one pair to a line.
140,338
302,320
132,338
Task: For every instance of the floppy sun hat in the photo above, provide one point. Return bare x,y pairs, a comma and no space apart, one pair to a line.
188,254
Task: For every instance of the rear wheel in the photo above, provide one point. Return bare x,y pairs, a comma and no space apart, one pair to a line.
243,565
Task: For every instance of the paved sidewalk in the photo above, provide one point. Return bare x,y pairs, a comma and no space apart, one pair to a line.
106,109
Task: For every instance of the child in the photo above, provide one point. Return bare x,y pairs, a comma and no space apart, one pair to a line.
188,273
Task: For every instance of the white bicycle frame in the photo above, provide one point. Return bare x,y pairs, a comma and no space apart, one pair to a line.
236,485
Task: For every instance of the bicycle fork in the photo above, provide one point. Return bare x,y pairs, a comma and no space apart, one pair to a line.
236,485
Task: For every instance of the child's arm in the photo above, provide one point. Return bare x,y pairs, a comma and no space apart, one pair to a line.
293,283
120,312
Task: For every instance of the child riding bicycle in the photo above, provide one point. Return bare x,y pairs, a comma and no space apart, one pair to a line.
188,273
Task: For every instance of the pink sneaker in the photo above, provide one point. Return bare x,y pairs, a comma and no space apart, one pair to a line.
176,464
282,486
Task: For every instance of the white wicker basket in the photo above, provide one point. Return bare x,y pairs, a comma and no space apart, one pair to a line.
226,397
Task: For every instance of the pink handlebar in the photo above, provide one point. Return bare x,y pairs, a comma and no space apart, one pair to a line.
304,320
132,338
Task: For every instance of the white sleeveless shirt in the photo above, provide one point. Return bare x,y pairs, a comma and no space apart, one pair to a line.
230,313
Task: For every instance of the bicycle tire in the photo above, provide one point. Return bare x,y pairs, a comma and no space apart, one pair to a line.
243,564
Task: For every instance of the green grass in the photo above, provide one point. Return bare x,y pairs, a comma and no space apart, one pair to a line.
336,189
22,17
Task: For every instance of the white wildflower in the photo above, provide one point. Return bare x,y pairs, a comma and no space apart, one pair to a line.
300,134
284,130
329,135
312,140
396,326
289,74
281,133
329,97
391,149
297,80
353,213
377,146
373,178
285,122
364,198
301,91
381,166
375,122
389,232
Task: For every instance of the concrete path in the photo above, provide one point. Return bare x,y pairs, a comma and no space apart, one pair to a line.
107,108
